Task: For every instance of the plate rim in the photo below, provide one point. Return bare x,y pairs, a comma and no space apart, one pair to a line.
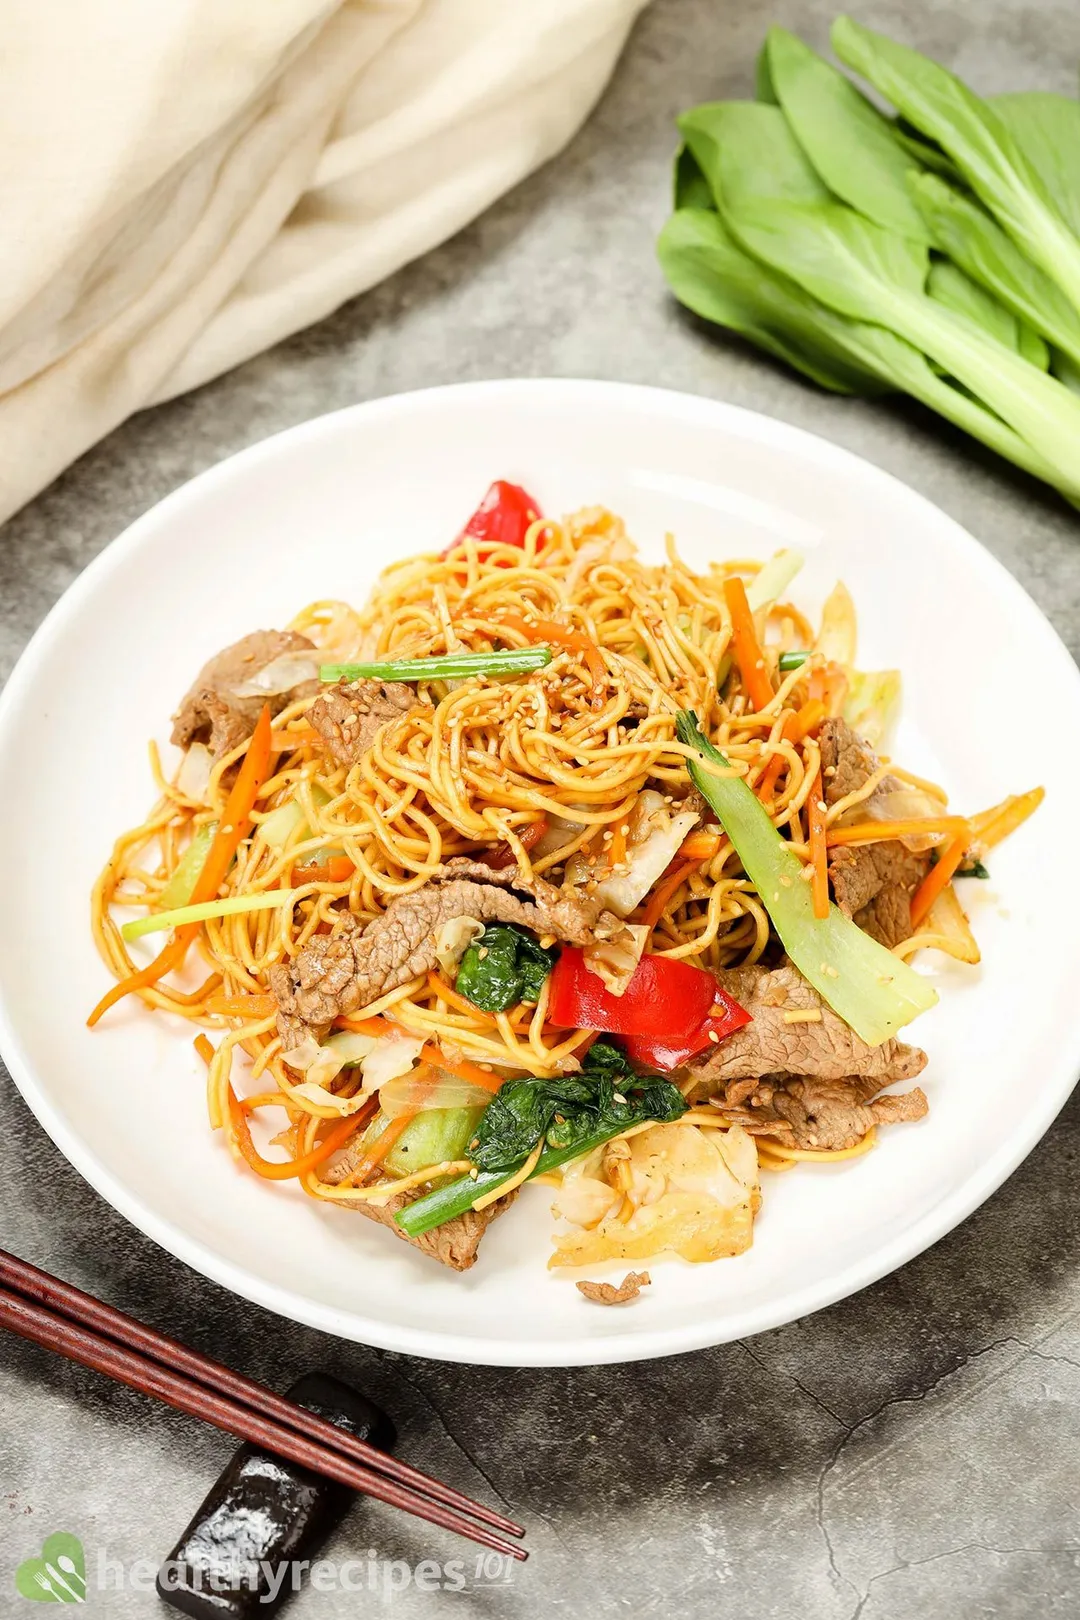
620,1346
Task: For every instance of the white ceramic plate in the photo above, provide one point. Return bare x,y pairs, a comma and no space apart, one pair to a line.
316,512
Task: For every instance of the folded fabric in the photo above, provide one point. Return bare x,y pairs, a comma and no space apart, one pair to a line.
186,182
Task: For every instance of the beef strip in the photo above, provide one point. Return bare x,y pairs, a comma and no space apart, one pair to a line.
806,1112
337,974
211,712
873,883
347,716
454,1244
827,1049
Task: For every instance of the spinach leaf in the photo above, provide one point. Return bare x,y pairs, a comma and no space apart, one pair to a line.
605,1098
691,189
504,966
852,146
982,142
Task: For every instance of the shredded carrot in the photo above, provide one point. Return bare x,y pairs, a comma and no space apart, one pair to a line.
234,826
338,869
204,1047
452,999
669,885
573,640
806,720
242,1006
700,846
366,1026
876,832
939,877
461,1067
284,1170
815,816
617,847
797,726
747,649
530,836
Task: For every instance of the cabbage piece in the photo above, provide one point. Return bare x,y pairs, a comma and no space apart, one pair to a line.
693,1192
872,704
281,674
453,940
193,777
656,831
838,637
429,1087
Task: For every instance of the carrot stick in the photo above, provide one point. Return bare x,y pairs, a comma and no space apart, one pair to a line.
748,654
700,846
234,826
668,886
815,816
530,836
374,1155
461,1067
572,640
204,1047
617,847
366,1026
251,1006
338,869
939,877
876,832
797,726
285,1170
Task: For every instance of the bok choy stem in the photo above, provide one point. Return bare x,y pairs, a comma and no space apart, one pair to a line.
869,987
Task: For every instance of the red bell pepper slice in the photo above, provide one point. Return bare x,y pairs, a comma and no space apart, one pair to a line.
669,1012
504,516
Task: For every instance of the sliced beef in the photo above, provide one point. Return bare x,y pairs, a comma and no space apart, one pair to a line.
348,716
826,1049
873,883
804,1112
453,1244
212,713
337,974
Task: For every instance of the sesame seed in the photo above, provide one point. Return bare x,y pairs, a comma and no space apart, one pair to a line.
714,1037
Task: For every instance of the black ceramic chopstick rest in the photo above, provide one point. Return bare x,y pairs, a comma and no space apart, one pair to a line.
264,1516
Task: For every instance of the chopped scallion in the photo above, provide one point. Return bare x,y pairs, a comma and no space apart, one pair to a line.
231,906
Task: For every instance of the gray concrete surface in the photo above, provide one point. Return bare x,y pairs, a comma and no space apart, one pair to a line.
913,1452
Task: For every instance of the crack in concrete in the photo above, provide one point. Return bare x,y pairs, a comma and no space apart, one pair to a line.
953,1552
917,1398
786,1372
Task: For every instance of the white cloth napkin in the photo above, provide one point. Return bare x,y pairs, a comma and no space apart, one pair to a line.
183,182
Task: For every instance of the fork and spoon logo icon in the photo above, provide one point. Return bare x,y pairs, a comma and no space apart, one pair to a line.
57,1574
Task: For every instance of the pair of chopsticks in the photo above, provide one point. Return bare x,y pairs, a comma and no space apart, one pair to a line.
59,1317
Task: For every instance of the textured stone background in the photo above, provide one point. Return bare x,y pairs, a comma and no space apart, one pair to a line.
911,1452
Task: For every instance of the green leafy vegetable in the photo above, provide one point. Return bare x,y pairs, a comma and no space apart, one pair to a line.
568,1110
975,870
949,285
870,988
445,667
975,242
575,1117
504,966
981,141
850,144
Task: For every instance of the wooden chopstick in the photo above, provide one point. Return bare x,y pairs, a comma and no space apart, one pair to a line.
136,1355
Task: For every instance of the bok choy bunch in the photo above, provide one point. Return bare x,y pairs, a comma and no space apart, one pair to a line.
936,253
